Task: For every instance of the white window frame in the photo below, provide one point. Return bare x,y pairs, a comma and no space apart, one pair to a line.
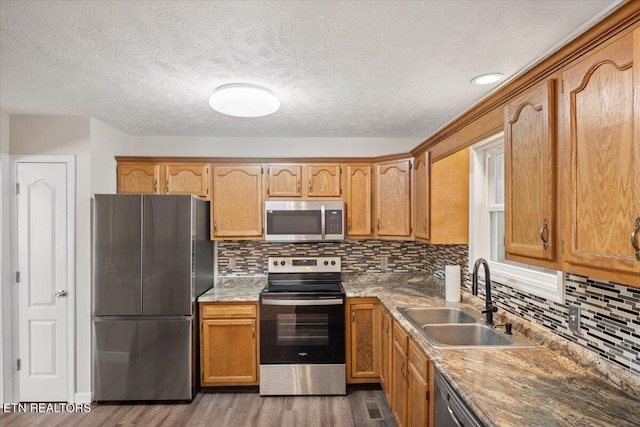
545,285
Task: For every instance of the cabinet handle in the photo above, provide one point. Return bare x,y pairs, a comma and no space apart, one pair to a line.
215,226
298,188
353,316
378,224
253,331
424,225
542,233
634,238
167,187
309,186
155,186
349,225
402,370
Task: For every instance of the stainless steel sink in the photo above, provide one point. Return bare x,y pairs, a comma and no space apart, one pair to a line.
474,334
453,327
437,315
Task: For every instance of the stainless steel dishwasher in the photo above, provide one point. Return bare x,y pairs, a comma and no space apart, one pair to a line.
450,409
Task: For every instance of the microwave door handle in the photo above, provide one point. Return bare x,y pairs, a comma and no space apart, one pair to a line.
322,222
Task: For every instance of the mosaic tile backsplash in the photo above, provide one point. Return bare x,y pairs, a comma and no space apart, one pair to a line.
358,256
609,312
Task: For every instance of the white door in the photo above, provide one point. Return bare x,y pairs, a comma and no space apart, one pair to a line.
44,279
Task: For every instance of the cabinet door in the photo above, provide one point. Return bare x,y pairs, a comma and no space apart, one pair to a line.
421,179
284,181
359,200
601,107
450,199
530,176
399,375
237,201
324,181
229,352
393,199
138,179
418,389
187,179
364,336
385,352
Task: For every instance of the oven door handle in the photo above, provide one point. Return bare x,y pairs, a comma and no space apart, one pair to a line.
323,222
332,301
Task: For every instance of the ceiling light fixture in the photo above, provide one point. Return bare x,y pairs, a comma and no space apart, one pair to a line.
244,100
486,79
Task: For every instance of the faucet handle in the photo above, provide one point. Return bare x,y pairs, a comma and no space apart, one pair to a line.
490,309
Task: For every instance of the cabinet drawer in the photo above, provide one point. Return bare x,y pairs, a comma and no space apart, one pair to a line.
400,336
218,311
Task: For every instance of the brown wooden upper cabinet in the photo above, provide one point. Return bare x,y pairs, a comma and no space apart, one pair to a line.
358,203
324,180
421,180
393,199
140,178
450,199
601,162
529,128
237,201
187,179
284,181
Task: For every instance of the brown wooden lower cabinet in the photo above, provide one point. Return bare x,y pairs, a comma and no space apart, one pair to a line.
386,345
363,340
399,366
228,344
418,393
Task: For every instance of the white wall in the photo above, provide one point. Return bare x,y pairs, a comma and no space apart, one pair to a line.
106,142
4,132
6,390
68,135
269,147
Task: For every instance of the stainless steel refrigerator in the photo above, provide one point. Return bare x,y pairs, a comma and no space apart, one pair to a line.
152,258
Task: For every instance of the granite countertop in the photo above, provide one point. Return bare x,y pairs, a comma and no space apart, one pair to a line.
504,387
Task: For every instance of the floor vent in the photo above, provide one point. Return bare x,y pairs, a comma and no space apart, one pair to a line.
373,409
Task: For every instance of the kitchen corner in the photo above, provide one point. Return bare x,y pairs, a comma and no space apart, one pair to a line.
555,383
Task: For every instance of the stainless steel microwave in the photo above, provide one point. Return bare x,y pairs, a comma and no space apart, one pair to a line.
304,220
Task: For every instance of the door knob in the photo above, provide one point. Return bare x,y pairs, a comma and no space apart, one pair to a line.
61,293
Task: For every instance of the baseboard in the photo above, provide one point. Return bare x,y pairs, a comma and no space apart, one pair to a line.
83,398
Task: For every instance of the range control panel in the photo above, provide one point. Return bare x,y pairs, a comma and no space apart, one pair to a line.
304,264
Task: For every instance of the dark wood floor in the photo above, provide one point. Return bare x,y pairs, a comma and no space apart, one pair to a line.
222,410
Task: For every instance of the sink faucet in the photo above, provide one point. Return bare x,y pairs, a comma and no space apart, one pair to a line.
489,307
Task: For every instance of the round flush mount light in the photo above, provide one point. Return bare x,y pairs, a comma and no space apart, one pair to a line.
244,100
486,79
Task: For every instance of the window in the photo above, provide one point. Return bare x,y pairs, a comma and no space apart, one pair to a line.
486,222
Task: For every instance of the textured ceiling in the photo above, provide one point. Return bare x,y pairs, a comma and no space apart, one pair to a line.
340,68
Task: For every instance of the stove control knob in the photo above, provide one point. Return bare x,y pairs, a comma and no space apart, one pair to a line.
333,263
275,262
281,262
326,263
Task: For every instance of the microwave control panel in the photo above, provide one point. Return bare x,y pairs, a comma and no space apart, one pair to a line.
333,221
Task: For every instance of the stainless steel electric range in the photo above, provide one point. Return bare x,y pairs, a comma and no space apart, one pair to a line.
302,328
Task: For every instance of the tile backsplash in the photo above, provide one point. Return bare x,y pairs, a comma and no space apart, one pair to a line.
610,312
358,256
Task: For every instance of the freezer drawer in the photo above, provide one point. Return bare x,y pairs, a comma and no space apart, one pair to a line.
143,359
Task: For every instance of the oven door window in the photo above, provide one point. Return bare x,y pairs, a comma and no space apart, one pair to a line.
302,329
302,334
